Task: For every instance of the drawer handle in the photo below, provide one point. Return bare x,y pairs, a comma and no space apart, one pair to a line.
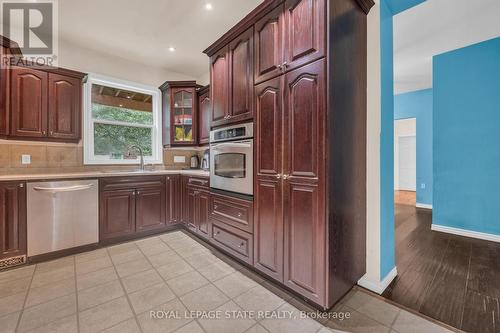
215,206
242,244
217,233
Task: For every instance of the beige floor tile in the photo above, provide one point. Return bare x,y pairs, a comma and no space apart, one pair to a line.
49,276
95,278
275,289
93,265
17,273
192,250
182,243
158,324
45,313
172,236
12,303
257,299
200,260
147,242
185,283
121,248
50,291
156,249
204,299
9,288
409,323
131,255
192,327
141,280
165,258
9,322
105,315
91,255
174,269
216,271
228,321
55,264
356,322
257,329
235,284
63,325
292,323
149,298
101,294
127,326
132,267
374,308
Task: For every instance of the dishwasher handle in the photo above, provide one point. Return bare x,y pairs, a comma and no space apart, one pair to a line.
63,189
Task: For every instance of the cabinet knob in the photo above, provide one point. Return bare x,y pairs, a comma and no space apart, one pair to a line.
278,176
285,177
138,192
242,244
280,67
51,132
240,215
285,65
217,232
44,132
215,206
21,185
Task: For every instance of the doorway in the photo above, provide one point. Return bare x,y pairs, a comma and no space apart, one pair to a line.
405,161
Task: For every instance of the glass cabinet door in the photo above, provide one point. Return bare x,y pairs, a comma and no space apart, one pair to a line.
183,116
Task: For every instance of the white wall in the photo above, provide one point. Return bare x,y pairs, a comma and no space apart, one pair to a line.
204,79
74,57
402,127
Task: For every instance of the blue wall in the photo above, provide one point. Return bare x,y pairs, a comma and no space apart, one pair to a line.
387,252
467,138
398,6
418,104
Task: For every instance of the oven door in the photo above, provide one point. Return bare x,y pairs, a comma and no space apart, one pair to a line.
231,166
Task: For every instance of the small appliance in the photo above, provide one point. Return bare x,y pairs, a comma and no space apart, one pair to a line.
205,163
195,162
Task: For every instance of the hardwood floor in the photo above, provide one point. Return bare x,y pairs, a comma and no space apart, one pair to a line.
405,197
453,279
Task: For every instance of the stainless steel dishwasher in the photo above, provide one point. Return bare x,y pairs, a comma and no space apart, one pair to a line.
62,215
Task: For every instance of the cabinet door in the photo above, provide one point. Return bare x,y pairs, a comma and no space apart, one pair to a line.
219,80
28,103
268,219
4,88
305,35
173,198
269,45
150,208
12,219
117,213
204,106
190,209
241,77
304,184
64,107
202,208
184,130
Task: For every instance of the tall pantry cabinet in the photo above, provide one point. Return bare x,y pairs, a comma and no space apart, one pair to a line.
309,102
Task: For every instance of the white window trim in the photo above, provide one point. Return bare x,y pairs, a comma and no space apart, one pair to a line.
88,122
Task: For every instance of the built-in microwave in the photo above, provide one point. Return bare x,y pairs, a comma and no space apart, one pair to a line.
231,159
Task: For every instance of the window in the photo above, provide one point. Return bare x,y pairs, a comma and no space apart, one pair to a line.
119,115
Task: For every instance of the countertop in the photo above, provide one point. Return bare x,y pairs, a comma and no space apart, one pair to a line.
100,174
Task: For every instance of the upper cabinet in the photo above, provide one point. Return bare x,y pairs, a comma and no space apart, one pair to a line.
180,113
64,107
205,108
231,77
269,45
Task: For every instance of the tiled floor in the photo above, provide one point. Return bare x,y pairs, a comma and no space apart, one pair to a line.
172,283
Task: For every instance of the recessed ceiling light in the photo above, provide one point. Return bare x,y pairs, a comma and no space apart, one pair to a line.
171,49
208,6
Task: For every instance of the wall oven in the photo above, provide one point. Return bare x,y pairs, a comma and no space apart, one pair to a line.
231,159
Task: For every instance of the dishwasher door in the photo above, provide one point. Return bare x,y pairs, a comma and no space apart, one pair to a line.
62,215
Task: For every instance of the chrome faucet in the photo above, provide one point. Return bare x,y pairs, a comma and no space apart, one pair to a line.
142,155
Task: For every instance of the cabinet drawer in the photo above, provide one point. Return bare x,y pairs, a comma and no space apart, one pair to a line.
235,212
236,242
199,182
118,183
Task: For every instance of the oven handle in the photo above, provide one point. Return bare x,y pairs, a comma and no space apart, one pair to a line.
232,145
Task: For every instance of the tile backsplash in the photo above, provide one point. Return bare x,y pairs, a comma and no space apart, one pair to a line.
48,157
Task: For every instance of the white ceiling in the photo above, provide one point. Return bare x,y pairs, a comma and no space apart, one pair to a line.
435,27
143,30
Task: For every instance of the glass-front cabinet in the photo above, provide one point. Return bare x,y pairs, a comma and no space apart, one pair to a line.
180,113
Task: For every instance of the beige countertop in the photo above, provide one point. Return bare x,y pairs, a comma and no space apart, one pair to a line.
100,174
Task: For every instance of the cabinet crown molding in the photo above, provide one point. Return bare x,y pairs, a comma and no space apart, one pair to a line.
366,5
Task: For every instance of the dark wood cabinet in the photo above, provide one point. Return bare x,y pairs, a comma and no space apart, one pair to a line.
232,211
12,224
202,211
196,205
131,206
219,83
64,110
29,103
232,240
269,45
173,199
180,113
117,213
204,109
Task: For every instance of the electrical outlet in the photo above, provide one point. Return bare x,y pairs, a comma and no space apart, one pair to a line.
179,159
422,186
25,159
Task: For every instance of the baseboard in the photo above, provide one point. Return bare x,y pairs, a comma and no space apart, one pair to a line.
466,233
378,286
424,206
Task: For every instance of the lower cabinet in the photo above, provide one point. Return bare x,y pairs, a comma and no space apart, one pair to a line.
131,205
173,199
197,211
12,223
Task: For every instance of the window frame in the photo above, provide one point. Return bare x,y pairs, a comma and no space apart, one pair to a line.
88,129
